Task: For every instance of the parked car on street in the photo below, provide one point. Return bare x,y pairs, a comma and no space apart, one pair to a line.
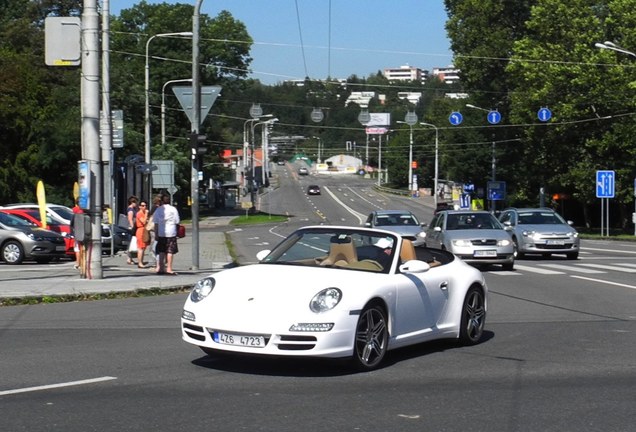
322,292
20,240
32,216
541,231
476,237
402,222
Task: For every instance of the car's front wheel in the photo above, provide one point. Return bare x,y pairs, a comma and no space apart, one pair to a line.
372,337
473,317
12,252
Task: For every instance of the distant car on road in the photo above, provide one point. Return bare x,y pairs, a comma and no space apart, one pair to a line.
541,231
477,237
402,222
303,171
313,190
20,240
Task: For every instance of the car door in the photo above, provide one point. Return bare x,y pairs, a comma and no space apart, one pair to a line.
434,237
421,299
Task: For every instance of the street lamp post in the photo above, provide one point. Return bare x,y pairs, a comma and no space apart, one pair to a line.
410,119
253,165
436,159
494,158
163,107
147,103
246,141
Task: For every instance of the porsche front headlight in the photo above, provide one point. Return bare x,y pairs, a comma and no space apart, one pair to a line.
202,289
325,300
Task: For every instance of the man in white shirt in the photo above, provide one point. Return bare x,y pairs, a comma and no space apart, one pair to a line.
166,219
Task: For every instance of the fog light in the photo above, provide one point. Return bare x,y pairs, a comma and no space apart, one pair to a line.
311,327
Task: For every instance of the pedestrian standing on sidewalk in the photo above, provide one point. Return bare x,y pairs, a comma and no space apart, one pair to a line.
166,219
131,213
140,232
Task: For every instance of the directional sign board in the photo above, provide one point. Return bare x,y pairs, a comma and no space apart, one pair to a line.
494,117
496,190
605,184
208,97
464,201
544,114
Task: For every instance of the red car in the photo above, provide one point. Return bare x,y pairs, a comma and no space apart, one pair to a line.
33,217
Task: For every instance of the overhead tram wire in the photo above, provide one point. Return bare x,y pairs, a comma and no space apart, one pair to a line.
300,34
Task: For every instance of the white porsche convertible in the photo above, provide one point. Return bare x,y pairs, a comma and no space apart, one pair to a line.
332,291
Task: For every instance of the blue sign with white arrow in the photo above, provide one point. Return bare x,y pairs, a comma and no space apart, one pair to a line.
605,184
494,117
544,114
464,201
455,118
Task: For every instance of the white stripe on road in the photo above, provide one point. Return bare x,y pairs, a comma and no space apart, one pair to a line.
572,268
626,264
605,282
608,250
504,273
537,270
609,267
52,386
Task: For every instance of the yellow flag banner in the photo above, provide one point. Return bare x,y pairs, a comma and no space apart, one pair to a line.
41,195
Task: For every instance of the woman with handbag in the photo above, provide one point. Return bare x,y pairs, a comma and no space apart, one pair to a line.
142,234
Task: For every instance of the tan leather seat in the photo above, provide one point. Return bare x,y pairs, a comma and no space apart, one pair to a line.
341,253
407,252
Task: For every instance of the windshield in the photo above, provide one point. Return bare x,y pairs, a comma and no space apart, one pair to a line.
396,219
540,218
339,248
11,220
63,212
465,221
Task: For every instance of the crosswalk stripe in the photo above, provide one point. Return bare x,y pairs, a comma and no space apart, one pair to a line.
626,264
609,267
572,268
505,273
537,270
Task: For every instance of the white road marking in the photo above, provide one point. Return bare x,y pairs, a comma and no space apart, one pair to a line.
572,268
609,267
59,385
537,270
605,282
505,273
609,250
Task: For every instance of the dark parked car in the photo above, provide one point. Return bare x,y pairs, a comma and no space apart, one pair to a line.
20,240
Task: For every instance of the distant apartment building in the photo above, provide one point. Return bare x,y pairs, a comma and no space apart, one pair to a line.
448,75
405,73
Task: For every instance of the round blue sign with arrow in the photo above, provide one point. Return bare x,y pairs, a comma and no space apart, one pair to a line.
544,114
494,117
455,118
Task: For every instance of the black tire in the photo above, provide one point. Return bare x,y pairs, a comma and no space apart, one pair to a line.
573,255
371,338
12,252
473,317
508,266
515,248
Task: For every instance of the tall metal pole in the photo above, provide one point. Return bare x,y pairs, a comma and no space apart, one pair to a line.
90,132
107,125
436,180
196,121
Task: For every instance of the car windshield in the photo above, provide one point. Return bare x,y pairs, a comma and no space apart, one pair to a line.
540,218
471,221
336,248
396,219
11,220
64,212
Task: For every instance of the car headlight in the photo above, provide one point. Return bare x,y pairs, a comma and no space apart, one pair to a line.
462,243
531,234
202,289
504,242
325,300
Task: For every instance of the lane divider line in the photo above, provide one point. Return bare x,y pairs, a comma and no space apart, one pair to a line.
59,385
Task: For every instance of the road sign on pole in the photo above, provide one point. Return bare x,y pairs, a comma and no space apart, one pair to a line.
208,97
605,184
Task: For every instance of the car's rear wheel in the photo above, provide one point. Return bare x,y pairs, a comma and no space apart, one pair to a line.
371,339
473,317
12,252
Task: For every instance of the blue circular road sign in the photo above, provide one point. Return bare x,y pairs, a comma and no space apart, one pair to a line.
544,114
494,117
455,118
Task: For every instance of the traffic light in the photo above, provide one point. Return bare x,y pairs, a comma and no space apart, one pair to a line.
197,144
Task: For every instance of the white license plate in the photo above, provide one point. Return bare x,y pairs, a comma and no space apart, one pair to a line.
60,248
485,253
555,242
240,340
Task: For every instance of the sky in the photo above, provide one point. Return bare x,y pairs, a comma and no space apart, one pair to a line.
296,38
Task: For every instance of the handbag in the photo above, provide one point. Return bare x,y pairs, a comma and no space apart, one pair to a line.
181,232
150,225
145,236
132,247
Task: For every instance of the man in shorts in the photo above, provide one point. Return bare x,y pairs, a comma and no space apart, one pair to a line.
166,219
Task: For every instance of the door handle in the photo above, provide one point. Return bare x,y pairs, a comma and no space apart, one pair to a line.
443,286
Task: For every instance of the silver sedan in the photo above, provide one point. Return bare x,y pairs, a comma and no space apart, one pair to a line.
477,237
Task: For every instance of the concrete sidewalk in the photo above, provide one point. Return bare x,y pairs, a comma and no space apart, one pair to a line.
121,277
